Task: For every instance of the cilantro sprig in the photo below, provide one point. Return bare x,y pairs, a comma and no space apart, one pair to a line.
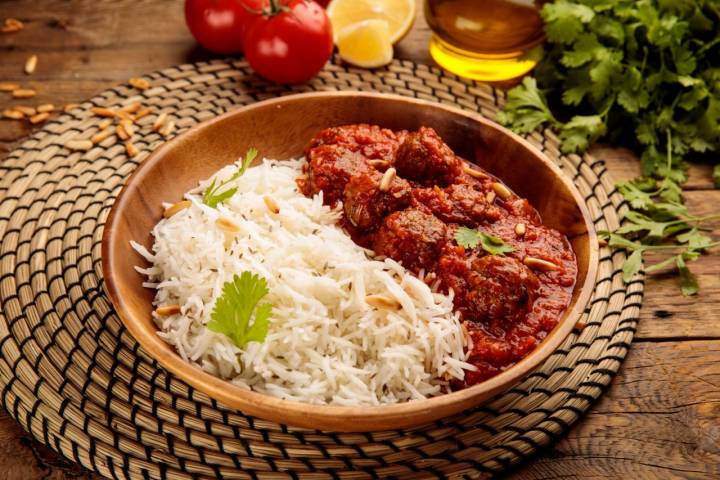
235,308
642,74
214,194
470,238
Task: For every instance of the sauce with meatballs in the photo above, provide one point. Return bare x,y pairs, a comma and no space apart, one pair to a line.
406,194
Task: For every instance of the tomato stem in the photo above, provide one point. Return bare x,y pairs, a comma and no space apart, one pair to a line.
275,8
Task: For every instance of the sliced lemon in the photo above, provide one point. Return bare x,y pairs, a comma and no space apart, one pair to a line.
400,15
366,44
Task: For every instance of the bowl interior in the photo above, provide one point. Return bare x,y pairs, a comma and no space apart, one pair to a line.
280,128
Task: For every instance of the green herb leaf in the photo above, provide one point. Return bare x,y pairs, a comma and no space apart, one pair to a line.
526,108
212,196
645,75
234,310
632,265
565,20
470,238
580,132
688,280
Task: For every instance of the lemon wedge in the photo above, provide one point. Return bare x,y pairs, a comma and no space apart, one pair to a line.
399,14
366,44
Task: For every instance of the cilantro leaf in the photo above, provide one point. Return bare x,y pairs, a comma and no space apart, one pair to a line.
688,281
632,265
470,238
580,131
525,108
564,20
234,310
467,237
582,52
213,196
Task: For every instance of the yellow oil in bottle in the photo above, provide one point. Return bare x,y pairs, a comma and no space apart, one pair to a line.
484,39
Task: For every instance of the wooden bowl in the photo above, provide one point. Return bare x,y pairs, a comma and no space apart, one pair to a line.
280,128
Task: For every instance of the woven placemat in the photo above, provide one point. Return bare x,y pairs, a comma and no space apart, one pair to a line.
72,375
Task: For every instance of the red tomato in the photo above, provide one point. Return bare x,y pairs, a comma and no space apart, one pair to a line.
219,25
289,43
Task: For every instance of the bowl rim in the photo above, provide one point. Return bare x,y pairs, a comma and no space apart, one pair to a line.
253,403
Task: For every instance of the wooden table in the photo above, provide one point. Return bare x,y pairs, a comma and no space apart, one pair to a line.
659,418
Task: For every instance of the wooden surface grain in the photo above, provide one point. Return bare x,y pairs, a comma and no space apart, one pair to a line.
660,418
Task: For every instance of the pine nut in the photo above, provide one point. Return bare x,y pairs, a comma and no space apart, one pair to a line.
45,107
139,83
502,191
378,163
31,64
490,197
8,87
24,93
101,135
82,145
381,301
474,173
27,111
177,207
124,116
227,225
159,121
167,129
12,25
39,118
520,229
142,113
128,127
271,205
121,133
13,114
103,112
132,108
131,149
387,179
539,264
167,310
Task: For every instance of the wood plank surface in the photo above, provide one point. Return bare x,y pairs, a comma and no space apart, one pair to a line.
659,419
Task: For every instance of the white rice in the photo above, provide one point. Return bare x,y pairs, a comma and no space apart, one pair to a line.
325,344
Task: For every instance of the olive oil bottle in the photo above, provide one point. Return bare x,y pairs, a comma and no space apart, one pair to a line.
484,39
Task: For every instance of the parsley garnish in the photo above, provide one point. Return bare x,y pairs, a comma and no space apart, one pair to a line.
233,310
643,74
469,238
212,196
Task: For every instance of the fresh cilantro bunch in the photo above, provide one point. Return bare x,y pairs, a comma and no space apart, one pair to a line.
640,73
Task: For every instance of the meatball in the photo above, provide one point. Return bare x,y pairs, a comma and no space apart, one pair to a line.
459,203
425,158
521,208
365,204
370,141
500,289
329,169
412,237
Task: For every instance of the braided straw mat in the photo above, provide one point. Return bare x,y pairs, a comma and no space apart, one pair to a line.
71,374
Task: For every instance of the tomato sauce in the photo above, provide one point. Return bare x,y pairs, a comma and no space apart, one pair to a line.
405,194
